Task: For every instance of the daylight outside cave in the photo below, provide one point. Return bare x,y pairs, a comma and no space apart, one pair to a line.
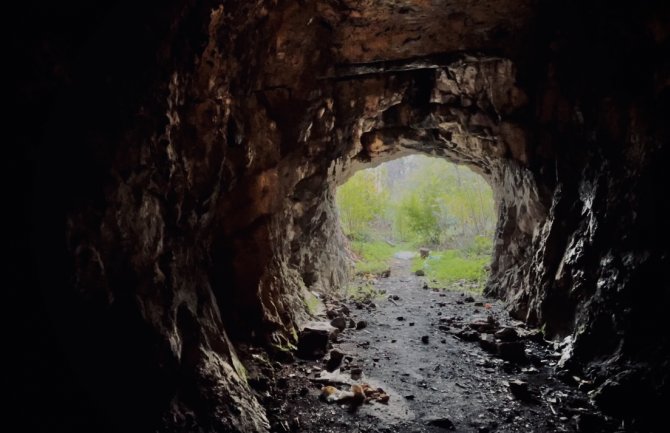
419,203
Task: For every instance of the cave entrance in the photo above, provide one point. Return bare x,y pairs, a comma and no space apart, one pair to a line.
421,215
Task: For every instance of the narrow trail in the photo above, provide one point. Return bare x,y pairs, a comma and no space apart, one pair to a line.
415,348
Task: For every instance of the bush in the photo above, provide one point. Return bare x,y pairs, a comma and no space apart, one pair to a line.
480,246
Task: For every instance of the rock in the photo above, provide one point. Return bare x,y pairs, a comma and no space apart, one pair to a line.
482,325
441,422
339,323
282,383
332,313
507,334
313,340
400,318
335,359
468,335
362,324
513,352
352,323
424,339
488,343
356,373
510,368
345,310
411,323
395,297
425,286
589,422
409,397
419,273
386,273
479,304
424,253
468,299
519,390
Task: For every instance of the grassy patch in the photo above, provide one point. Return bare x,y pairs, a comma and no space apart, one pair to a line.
374,257
451,266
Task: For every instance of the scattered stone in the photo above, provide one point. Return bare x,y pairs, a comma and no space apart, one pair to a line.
488,343
468,299
313,340
411,323
507,334
362,324
409,397
331,313
479,304
419,273
400,318
282,383
335,359
510,368
303,391
443,328
356,373
468,335
513,352
589,422
425,286
345,310
424,252
424,339
442,422
339,323
386,273
481,325
519,389
352,323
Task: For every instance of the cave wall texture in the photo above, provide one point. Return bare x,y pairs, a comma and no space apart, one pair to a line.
177,166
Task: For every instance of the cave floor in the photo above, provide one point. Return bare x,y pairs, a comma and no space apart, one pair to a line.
439,384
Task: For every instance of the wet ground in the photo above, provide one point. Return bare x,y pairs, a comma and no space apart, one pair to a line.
415,347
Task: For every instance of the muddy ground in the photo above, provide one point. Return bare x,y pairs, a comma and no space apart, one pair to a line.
420,347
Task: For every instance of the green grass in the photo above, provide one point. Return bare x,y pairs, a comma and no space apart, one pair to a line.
451,266
374,257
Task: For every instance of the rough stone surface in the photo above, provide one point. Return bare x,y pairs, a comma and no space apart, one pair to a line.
183,161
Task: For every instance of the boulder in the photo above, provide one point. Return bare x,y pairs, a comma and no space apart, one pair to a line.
313,340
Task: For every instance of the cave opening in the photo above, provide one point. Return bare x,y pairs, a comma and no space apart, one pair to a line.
438,216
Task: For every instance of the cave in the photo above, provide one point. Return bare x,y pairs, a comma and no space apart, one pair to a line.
174,168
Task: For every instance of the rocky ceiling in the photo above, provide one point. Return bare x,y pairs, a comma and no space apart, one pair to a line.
182,163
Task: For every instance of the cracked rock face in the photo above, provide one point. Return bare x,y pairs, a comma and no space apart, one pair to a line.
193,165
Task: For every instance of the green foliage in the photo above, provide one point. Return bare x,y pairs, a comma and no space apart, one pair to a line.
360,201
451,266
481,245
443,204
420,201
372,257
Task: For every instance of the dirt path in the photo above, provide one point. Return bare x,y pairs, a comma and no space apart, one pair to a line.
435,379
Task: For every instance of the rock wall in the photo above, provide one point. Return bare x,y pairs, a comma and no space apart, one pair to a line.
190,153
